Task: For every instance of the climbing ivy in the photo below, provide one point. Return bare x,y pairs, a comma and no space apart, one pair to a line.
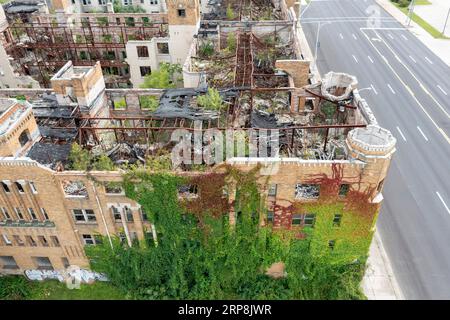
200,255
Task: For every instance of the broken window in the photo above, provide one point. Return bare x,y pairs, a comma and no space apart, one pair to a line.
119,103
144,215
19,187
343,190
129,214
307,191
272,190
145,70
337,220
309,220
113,188
74,188
163,47
149,103
84,215
182,13
65,262
8,263
296,219
43,263
188,191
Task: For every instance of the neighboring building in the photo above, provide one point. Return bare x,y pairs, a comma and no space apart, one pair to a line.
330,145
128,45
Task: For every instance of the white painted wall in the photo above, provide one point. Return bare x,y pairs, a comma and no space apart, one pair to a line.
181,38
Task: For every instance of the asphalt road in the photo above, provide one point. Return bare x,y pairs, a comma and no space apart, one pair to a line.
410,95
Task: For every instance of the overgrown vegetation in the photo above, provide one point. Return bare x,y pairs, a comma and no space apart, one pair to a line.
211,100
198,255
19,288
167,76
81,159
119,8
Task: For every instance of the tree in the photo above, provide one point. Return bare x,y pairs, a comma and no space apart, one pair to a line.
79,158
164,78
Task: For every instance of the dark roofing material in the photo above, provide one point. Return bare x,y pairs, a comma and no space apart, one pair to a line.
49,154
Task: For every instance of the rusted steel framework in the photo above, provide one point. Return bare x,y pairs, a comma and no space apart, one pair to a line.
44,47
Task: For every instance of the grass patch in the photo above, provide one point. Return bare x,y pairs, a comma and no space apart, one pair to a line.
19,288
425,25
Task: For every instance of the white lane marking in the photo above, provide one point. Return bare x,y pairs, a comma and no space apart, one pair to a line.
340,35
391,88
370,59
355,58
412,59
443,91
390,36
423,134
439,129
443,202
431,62
404,37
401,133
373,88
354,37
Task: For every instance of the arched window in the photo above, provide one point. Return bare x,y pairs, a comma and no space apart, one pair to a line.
24,137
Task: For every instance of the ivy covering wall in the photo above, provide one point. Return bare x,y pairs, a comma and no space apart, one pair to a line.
199,255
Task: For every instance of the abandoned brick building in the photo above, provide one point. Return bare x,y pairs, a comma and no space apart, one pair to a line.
256,61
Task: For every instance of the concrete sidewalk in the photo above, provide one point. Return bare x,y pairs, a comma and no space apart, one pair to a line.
440,47
435,14
379,282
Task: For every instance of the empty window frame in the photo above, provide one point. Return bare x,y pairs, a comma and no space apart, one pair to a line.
33,187
153,1
119,103
5,187
65,262
309,220
129,214
113,188
337,220
74,188
43,241
18,240
88,239
24,137
331,244
44,213
84,215
270,215
142,51
6,240
86,2
55,241
145,70
343,190
102,2
272,190
116,214
8,263
307,191
30,241
296,219
6,214
163,47
182,13
32,214
19,214
19,187
43,263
